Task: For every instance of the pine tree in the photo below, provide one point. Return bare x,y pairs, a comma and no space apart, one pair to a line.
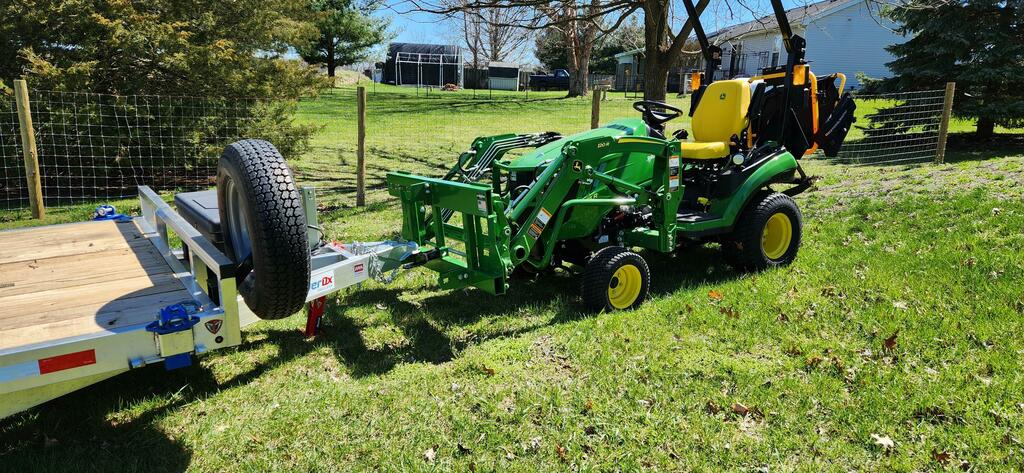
979,44
347,33
230,56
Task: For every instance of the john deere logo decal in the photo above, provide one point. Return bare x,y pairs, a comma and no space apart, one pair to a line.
577,166
214,325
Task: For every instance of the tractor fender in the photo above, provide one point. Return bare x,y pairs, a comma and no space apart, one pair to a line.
774,168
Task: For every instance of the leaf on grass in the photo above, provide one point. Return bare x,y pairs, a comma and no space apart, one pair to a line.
560,450
813,361
740,409
715,295
430,454
890,343
488,371
729,312
942,457
712,408
883,441
588,406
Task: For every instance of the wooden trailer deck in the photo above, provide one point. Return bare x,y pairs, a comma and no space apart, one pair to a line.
78,279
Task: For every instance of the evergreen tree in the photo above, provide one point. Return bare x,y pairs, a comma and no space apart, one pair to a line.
979,44
347,33
193,75
159,47
552,52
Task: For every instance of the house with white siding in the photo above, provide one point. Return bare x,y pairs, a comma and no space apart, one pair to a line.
847,36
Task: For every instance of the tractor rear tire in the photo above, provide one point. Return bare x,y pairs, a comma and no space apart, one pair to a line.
264,228
767,234
615,279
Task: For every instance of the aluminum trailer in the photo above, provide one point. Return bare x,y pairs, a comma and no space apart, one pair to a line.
82,302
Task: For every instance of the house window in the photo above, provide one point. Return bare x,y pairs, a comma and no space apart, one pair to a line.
776,50
736,62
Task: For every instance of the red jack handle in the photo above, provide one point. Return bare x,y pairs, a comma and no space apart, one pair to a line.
313,315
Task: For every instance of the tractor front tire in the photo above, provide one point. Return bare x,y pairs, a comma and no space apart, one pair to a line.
615,279
767,234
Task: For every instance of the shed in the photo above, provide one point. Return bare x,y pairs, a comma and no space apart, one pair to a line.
423,64
629,69
503,75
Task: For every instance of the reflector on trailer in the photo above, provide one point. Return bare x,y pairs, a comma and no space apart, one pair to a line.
68,361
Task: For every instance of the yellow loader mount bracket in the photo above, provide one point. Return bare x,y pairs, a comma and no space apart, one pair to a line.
586,202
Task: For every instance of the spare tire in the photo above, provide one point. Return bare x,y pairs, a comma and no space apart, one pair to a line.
264,228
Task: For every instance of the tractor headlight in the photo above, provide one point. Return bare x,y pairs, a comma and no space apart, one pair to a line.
738,159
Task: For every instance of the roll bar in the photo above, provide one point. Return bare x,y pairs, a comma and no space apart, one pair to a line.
796,47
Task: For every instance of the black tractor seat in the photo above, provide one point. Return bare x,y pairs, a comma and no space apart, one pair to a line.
200,210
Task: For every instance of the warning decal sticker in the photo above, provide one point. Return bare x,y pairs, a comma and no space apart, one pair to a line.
539,223
673,173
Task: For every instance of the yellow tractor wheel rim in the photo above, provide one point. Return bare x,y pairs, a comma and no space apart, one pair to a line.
624,287
777,236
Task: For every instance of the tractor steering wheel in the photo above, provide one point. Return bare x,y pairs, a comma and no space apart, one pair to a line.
656,114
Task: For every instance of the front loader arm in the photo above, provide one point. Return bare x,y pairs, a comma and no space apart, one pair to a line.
554,194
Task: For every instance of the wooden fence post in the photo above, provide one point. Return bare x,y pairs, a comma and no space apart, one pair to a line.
361,148
947,110
28,144
595,108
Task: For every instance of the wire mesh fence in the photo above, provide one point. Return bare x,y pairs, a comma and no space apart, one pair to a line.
13,189
95,147
894,128
405,132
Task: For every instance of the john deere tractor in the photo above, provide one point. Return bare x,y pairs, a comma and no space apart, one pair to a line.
588,199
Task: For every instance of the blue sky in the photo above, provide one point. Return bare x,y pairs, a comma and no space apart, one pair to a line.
427,28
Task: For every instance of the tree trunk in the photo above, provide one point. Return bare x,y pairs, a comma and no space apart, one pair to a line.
986,128
662,48
655,80
331,60
579,64
578,79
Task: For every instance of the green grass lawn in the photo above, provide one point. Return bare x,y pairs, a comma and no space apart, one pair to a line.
899,321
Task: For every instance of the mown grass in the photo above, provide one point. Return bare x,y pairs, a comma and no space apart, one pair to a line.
900,320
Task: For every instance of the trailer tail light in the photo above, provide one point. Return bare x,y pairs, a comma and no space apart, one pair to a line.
68,361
